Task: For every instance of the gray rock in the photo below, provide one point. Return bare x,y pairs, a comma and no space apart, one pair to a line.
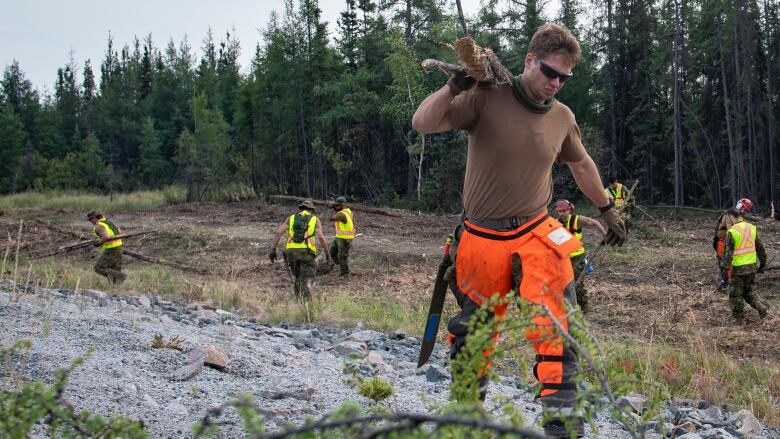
102,301
349,348
177,409
684,428
206,315
277,332
195,362
130,389
712,416
165,320
290,390
224,314
95,294
745,423
634,402
434,373
689,436
715,433
366,336
144,302
149,402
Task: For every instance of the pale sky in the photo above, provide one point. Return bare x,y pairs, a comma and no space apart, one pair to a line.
41,33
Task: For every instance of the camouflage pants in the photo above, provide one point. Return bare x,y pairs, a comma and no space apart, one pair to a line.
741,291
339,253
302,267
578,264
109,264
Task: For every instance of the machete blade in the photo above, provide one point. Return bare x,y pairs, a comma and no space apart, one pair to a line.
434,313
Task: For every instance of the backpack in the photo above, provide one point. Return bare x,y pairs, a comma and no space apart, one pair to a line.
300,227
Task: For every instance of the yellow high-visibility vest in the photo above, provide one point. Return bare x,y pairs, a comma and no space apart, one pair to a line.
617,194
308,240
111,230
743,237
345,230
573,226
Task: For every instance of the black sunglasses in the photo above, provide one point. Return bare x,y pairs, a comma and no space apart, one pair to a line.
552,73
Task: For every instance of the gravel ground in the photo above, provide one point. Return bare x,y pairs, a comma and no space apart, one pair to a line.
293,372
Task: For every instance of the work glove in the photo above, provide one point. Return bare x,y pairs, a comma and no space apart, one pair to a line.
459,82
96,243
760,268
616,228
272,256
715,242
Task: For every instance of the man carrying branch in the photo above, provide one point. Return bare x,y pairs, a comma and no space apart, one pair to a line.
508,241
109,264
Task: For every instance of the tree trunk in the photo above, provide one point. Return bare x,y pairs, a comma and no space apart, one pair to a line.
727,107
770,106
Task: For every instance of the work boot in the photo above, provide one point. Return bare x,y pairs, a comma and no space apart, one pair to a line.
762,311
572,427
344,273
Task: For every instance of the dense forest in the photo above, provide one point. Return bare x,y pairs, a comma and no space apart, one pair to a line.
681,95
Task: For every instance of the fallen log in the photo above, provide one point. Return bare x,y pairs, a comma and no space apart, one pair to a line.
165,263
355,207
90,242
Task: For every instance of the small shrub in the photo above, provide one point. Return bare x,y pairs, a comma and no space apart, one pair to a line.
376,389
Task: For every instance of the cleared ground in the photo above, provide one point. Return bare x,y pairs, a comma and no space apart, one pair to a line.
659,287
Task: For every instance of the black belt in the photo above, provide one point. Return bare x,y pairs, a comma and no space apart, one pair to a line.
568,358
503,237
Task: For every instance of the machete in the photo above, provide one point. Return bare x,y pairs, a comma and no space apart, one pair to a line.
437,305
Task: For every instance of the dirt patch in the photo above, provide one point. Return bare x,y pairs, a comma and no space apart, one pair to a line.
654,288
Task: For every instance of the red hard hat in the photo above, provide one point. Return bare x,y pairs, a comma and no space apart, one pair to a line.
561,205
745,204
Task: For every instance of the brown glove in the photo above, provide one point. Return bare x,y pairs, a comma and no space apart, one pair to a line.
616,233
459,82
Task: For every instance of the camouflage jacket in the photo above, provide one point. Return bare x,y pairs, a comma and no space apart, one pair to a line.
728,253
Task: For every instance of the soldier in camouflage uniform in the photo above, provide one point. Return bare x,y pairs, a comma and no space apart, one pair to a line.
574,223
109,264
744,256
300,250
345,234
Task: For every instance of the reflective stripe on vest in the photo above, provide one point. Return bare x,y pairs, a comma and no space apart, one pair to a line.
616,194
308,240
109,228
345,230
743,237
573,226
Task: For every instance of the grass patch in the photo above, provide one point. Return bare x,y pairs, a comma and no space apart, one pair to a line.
85,201
697,372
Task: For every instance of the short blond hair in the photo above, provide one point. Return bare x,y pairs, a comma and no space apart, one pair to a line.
554,39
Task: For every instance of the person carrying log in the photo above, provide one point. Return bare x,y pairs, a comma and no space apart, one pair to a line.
507,240
109,263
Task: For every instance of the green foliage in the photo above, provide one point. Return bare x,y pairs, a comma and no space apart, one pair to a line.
376,389
12,137
34,402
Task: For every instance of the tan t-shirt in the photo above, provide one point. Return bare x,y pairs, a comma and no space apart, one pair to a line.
511,151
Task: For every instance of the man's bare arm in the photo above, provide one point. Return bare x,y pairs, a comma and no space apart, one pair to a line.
322,239
279,232
586,174
431,115
593,223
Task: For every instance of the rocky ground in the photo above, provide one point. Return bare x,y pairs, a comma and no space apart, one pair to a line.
294,372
